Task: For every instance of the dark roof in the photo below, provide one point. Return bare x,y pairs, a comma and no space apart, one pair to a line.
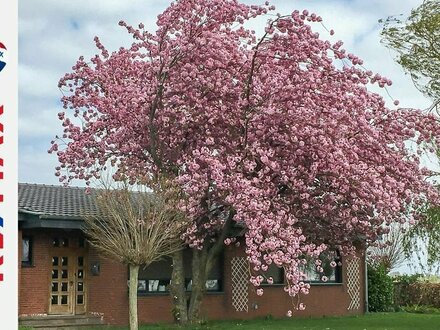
55,202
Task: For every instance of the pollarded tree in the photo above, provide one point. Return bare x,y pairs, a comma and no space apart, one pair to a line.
136,228
277,132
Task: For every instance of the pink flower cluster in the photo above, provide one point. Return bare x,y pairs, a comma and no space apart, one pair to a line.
268,128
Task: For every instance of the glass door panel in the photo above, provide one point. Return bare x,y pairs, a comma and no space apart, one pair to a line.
80,285
61,285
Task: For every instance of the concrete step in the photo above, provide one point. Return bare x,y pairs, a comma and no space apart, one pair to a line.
68,322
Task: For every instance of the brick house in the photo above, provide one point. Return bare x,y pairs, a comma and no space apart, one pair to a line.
59,274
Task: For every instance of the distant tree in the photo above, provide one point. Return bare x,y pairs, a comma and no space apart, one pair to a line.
137,229
416,40
423,241
389,251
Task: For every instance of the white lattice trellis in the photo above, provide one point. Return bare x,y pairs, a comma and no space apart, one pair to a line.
240,282
354,283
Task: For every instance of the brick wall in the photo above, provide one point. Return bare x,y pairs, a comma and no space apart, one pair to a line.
323,300
108,292
34,280
19,236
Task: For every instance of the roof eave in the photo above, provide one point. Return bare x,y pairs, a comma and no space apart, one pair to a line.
29,219
51,224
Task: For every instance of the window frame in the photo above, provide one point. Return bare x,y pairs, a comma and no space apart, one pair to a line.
147,292
282,275
220,281
337,271
30,262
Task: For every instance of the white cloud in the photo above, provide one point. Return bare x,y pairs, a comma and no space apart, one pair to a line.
48,116
36,82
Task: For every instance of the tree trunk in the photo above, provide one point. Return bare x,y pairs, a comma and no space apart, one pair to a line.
203,261
132,297
177,288
199,276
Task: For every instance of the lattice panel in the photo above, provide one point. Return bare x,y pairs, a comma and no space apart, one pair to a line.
354,283
240,282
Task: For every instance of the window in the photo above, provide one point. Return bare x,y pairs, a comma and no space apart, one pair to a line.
156,278
327,269
157,285
81,242
274,275
60,242
213,285
26,253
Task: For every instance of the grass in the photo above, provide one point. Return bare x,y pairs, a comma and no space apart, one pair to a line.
373,321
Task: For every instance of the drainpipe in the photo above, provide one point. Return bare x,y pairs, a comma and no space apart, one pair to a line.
366,281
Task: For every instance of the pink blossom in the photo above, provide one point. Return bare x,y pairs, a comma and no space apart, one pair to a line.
297,153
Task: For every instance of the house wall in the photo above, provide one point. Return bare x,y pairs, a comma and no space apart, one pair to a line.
108,292
323,300
34,279
19,237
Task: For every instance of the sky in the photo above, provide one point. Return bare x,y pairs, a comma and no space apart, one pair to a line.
54,33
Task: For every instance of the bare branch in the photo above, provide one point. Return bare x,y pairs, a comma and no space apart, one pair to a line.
136,227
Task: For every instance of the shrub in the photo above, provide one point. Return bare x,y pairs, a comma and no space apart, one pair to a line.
380,290
416,290
407,278
425,294
402,286
421,309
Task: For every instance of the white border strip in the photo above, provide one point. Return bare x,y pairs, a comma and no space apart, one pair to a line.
8,154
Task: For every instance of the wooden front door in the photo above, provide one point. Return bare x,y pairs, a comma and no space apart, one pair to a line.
68,286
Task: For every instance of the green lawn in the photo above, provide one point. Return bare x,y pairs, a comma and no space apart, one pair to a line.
375,321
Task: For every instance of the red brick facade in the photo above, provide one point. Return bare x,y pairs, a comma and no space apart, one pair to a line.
107,292
34,280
